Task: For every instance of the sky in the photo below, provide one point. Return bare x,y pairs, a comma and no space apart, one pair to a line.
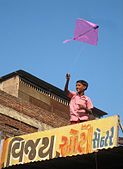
31,39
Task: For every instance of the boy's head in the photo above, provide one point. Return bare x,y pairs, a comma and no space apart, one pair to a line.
84,83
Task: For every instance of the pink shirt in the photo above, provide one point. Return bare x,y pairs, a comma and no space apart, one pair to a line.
75,112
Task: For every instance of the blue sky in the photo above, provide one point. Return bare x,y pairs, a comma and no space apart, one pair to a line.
31,36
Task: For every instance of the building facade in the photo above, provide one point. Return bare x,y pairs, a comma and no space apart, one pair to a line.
29,104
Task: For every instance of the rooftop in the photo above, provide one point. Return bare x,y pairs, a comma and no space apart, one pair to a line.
40,84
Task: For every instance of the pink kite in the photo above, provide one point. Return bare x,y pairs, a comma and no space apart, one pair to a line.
85,31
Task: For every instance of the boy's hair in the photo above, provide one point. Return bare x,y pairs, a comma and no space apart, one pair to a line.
83,82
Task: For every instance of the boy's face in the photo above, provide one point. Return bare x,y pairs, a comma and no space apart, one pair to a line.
80,87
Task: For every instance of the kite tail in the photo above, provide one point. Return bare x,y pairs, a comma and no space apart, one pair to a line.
67,40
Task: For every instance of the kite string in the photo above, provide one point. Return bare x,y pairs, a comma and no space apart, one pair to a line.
76,63
77,57
73,64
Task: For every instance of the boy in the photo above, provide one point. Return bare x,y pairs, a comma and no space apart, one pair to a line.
80,105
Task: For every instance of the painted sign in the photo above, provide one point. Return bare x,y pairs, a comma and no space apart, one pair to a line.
65,141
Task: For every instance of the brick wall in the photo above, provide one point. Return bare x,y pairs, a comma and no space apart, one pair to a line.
27,109
10,86
42,99
12,127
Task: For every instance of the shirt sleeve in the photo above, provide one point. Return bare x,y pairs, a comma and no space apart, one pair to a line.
89,103
71,94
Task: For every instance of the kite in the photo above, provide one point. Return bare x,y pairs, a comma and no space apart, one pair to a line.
85,31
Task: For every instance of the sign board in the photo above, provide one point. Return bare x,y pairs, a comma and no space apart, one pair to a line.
65,141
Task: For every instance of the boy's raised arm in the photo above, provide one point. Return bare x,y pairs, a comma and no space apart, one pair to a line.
67,82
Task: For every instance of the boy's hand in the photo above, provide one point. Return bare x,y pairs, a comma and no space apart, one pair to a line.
81,106
68,76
